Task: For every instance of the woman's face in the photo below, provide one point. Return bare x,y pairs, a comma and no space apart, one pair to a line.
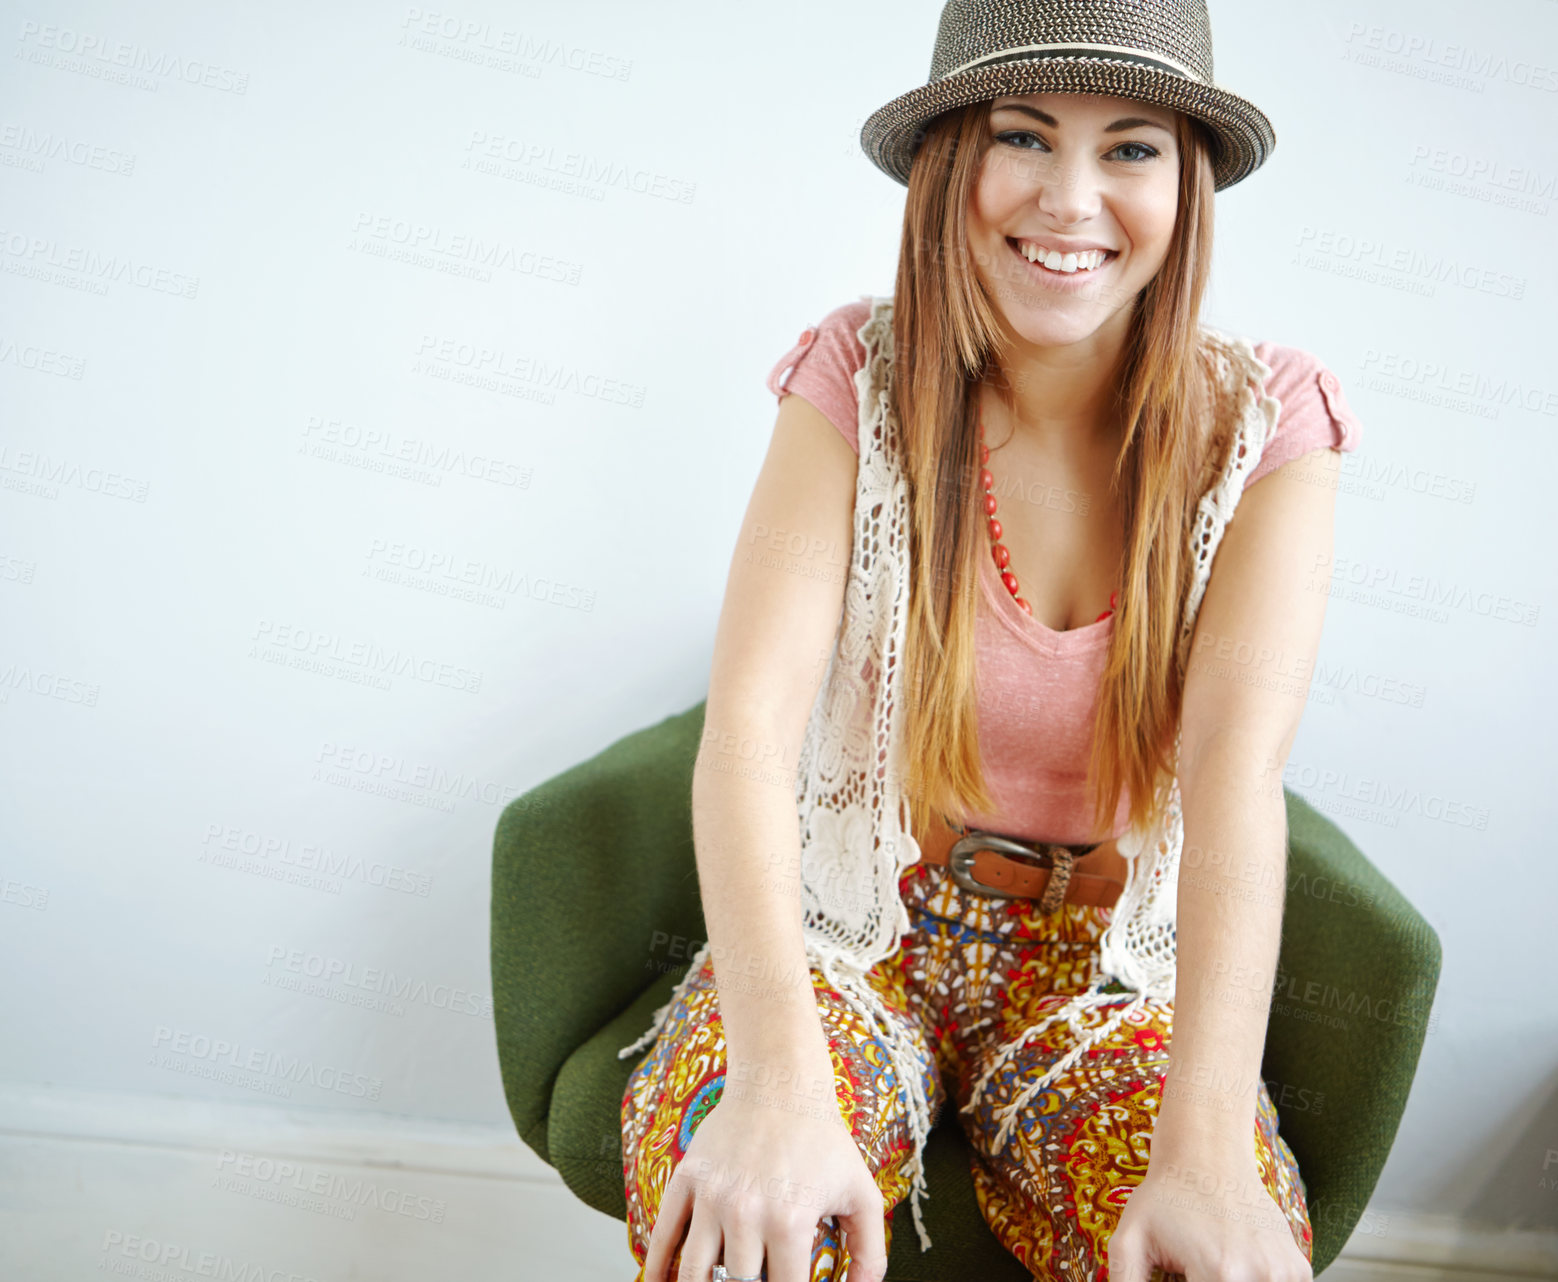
1070,172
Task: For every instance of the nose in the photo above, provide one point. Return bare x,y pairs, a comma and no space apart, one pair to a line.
1069,190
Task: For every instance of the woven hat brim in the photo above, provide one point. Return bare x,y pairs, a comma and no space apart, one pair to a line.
1245,137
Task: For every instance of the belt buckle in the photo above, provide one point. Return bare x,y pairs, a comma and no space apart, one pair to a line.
960,861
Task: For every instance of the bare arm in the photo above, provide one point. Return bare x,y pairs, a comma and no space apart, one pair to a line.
1251,660
783,603
784,599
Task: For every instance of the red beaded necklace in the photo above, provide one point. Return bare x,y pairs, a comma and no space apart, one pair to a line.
999,550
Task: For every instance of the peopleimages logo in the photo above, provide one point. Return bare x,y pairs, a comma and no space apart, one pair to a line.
231,1062
228,846
376,979
297,1184
145,1257
1315,1000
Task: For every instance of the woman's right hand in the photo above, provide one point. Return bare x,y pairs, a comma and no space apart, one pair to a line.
756,1179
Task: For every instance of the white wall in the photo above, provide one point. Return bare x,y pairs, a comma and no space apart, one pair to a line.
216,635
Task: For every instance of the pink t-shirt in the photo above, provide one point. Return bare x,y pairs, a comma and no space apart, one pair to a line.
1038,688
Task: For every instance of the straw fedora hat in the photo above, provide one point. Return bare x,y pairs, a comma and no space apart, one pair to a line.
1157,51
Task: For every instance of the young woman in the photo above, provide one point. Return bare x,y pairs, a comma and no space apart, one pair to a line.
972,628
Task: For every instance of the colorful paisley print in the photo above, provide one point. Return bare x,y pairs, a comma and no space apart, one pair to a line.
971,974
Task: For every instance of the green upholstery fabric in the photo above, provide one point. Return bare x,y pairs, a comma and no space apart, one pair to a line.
595,912
585,869
1359,967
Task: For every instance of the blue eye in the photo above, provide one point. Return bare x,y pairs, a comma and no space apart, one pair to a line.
1012,137
1015,133
1148,152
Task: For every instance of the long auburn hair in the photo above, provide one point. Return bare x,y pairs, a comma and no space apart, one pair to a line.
947,341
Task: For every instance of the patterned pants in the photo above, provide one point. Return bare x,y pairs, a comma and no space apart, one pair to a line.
971,974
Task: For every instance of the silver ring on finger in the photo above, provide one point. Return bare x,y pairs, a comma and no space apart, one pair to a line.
721,1276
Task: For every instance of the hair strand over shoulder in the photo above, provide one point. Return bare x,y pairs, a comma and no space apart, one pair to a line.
947,342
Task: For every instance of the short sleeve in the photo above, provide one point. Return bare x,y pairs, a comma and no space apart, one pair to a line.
821,367
1314,411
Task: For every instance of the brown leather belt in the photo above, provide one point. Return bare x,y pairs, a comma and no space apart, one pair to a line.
1007,867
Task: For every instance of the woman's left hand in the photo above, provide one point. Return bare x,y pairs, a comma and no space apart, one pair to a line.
1205,1218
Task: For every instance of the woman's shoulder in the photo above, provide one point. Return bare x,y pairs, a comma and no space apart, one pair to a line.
1310,404
1312,407
821,364
837,335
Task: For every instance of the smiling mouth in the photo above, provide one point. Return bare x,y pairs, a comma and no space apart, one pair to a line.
1038,265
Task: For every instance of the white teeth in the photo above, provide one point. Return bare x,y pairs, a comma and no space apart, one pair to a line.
1087,260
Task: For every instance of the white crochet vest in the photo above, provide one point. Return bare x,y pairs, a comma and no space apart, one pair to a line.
855,826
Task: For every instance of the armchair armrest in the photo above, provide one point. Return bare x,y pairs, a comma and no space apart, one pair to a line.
593,879
1356,977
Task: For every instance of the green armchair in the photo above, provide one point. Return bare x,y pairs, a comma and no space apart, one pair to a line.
596,912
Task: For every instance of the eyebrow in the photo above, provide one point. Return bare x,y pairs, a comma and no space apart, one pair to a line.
1119,126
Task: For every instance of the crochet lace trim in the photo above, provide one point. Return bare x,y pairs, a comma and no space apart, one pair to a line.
856,832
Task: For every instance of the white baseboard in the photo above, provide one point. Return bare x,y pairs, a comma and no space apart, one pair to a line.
99,1164
93,1183
1408,1246
327,1135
